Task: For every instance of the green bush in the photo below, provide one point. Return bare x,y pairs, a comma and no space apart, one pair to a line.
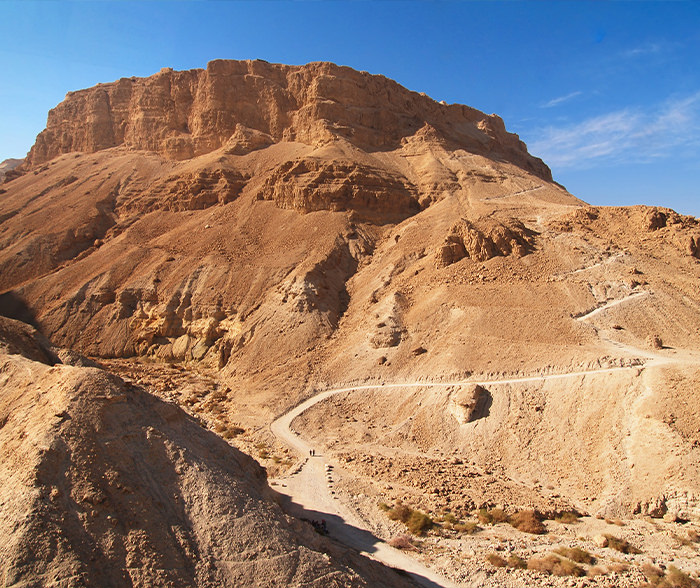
419,522
400,512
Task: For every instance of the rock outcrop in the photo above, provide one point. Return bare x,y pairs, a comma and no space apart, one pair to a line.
7,168
245,105
102,484
484,240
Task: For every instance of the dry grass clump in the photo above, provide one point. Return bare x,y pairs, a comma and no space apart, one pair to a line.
517,562
492,516
596,571
568,517
231,432
528,521
400,512
513,561
496,560
617,522
419,522
402,541
680,579
672,578
551,564
693,536
416,521
576,554
449,518
621,545
468,528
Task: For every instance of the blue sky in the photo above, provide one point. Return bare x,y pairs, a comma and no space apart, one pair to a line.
607,93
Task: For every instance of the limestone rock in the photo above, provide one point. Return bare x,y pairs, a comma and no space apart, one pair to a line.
244,105
470,403
309,184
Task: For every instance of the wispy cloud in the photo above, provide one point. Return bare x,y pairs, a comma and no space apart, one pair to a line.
644,50
561,99
630,135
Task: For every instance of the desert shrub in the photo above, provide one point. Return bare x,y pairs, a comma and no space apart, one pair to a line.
618,567
528,521
264,454
402,541
551,564
418,522
543,564
496,560
449,518
621,545
653,574
515,561
484,517
679,579
400,512
469,528
576,554
384,506
567,517
596,571
234,430
693,536
498,515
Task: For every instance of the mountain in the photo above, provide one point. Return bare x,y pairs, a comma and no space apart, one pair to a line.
106,485
296,228
7,166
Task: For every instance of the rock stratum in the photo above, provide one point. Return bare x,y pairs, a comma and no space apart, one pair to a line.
294,228
248,105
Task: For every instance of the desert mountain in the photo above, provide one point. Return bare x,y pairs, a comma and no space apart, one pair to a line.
8,165
295,228
105,485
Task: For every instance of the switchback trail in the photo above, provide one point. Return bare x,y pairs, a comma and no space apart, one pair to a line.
310,486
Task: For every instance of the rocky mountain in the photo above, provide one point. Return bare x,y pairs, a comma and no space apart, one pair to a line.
7,166
295,228
106,485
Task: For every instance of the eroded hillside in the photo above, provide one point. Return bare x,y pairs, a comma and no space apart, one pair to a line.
295,229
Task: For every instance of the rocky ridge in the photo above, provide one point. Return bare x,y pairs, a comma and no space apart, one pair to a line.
104,484
246,105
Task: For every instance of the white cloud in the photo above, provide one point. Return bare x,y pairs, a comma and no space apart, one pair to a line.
561,99
630,135
646,49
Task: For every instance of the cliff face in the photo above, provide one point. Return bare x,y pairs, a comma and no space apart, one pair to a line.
249,104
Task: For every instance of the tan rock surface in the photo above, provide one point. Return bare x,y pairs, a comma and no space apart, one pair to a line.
103,484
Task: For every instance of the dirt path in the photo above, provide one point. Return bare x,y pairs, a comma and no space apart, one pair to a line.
611,304
309,489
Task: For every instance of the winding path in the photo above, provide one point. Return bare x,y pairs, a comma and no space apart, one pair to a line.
309,489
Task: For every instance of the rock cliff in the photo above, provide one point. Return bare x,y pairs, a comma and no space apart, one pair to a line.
248,104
